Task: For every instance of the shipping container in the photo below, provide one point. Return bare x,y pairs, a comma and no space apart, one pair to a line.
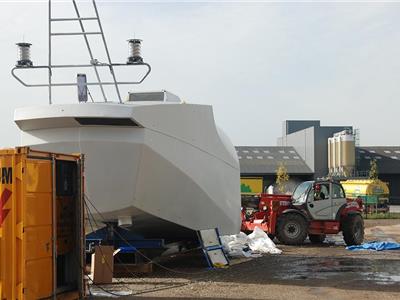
41,225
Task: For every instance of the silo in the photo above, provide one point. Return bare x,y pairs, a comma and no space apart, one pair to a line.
331,155
348,153
337,152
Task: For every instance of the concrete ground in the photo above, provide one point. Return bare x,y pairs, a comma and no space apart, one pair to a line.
307,272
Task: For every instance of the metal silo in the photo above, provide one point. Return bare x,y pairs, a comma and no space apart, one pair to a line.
348,153
337,154
331,155
341,153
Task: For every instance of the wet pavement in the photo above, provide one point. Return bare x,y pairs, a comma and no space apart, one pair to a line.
327,271
358,272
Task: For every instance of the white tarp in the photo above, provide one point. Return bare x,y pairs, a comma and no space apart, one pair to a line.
252,245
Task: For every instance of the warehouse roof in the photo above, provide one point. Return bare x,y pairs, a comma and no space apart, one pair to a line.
387,158
265,160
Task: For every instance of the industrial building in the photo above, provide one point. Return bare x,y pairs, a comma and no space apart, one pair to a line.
264,161
303,148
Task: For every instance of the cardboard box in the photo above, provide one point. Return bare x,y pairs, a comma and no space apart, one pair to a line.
102,267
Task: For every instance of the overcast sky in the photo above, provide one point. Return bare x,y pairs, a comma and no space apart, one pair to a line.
257,64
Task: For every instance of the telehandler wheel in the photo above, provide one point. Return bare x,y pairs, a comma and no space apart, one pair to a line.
353,230
317,238
291,229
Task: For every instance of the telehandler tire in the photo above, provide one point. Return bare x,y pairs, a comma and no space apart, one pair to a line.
291,229
353,230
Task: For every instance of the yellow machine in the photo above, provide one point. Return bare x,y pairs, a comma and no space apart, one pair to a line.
251,185
375,194
41,225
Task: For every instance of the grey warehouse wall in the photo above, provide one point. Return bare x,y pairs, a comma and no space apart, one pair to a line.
303,142
291,126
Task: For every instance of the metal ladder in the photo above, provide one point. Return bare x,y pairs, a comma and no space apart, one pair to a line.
84,33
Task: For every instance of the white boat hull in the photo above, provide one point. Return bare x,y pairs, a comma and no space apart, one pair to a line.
170,168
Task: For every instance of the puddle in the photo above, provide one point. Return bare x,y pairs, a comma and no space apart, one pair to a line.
349,269
383,278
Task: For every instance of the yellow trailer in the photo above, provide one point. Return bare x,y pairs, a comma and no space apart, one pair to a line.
375,193
41,225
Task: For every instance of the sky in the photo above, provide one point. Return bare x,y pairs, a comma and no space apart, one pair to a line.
256,63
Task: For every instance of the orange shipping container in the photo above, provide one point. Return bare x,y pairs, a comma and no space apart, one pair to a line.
41,225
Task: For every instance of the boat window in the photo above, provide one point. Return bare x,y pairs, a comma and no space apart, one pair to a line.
107,121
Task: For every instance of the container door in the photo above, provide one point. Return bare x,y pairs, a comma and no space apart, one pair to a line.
38,230
8,237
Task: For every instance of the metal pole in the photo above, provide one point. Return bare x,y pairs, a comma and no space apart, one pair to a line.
108,54
90,50
50,100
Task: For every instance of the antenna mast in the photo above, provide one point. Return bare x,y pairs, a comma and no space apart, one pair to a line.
134,59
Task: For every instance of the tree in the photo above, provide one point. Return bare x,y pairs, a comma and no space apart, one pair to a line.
373,171
282,178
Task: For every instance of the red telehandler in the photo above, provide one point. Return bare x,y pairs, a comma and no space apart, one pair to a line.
316,208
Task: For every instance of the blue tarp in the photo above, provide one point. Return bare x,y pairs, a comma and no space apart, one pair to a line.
377,246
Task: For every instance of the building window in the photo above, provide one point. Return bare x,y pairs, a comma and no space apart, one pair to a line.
245,151
256,151
394,157
362,151
296,157
367,157
249,157
270,157
387,151
266,151
378,157
281,151
372,151
259,157
286,157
